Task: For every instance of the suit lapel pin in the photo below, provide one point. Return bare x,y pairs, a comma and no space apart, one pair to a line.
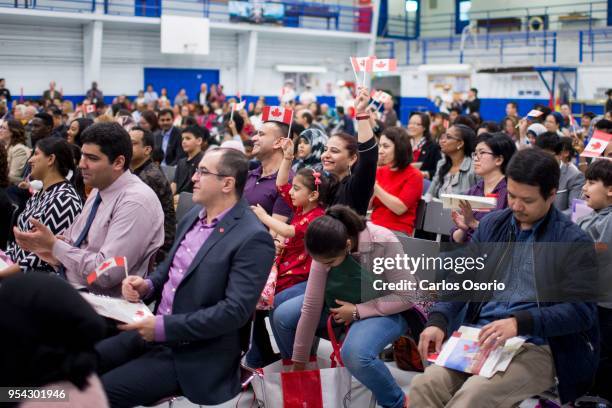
221,230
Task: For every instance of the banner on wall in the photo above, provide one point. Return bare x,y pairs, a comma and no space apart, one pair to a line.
256,12
185,35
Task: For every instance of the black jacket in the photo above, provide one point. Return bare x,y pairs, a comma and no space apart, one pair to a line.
430,155
174,150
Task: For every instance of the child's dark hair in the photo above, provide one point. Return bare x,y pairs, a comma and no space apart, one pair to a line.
326,236
327,187
600,170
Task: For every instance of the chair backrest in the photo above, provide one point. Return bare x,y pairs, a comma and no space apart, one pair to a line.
185,203
420,215
417,248
169,172
437,219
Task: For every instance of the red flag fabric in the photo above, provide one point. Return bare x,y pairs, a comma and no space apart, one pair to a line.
361,64
384,65
107,266
277,114
597,145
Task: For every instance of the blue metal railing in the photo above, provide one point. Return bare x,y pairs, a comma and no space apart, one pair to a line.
594,42
554,15
297,13
385,49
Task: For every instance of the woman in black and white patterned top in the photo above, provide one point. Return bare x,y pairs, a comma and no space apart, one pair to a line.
56,205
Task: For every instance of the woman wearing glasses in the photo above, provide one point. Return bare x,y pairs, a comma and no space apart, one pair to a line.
493,152
454,172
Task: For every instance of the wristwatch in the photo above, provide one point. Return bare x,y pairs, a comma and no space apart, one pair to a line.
356,314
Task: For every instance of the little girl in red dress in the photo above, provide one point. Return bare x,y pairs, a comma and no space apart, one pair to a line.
307,196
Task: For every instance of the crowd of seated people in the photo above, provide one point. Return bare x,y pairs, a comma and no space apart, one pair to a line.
314,202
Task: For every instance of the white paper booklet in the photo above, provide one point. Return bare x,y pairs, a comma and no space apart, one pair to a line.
117,309
462,353
477,202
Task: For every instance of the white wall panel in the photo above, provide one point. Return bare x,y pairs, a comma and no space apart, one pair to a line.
32,55
125,53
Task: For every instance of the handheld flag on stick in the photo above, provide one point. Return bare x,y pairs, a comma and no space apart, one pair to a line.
278,114
117,264
381,97
597,145
362,64
384,65
236,107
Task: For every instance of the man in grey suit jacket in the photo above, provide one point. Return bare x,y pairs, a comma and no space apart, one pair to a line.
570,187
206,289
571,179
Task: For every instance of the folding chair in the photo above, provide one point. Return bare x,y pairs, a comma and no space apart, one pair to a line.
437,219
185,203
169,172
420,216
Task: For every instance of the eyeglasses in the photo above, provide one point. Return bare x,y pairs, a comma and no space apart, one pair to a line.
478,155
449,137
414,124
203,172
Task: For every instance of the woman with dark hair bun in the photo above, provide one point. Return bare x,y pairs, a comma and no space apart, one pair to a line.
55,205
492,155
454,171
342,284
353,160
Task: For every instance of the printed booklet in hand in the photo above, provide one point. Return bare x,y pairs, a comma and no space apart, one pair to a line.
462,353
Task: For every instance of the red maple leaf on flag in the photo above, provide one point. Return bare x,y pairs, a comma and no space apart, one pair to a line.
381,64
104,265
139,313
596,146
276,112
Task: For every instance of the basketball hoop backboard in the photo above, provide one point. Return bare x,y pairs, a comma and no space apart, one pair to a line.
185,35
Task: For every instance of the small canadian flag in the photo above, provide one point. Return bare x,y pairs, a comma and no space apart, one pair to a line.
277,114
381,96
361,64
90,109
117,263
598,143
384,65
239,105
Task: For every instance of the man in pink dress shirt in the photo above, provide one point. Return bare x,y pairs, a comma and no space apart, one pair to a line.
206,289
122,217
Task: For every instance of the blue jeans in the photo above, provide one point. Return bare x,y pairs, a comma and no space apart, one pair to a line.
364,342
260,351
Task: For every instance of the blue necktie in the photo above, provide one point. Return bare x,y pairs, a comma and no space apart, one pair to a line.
85,231
90,218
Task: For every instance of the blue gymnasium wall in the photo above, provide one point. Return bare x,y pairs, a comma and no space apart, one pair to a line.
490,108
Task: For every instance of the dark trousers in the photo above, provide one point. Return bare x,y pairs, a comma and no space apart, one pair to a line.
261,352
134,372
603,380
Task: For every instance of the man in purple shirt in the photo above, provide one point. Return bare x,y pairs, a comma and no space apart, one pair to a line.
261,190
207,290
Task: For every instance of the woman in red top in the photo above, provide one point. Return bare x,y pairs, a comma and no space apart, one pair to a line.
399,186
307,196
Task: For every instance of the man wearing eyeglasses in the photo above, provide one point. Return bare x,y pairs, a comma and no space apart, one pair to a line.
206,289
